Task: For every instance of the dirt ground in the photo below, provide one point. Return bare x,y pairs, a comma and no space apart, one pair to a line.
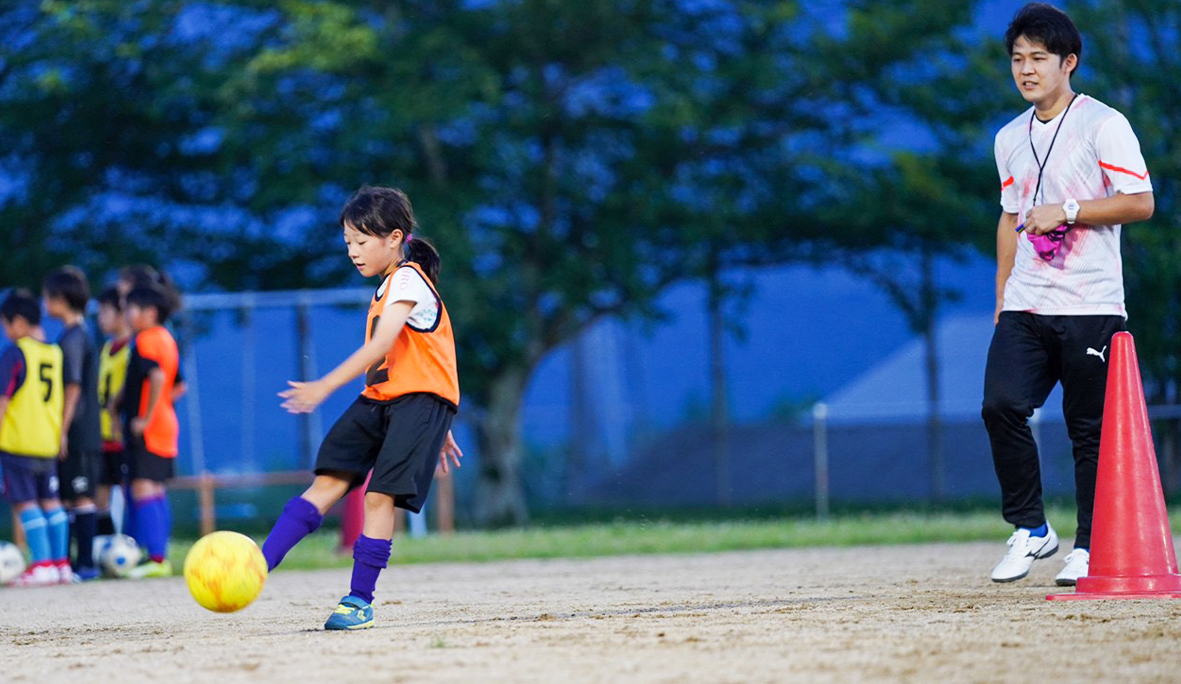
871,614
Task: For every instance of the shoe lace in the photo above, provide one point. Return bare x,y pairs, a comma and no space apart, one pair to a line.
1018,543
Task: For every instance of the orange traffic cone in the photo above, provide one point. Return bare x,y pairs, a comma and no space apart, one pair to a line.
1132,552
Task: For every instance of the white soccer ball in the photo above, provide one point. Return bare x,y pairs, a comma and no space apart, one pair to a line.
12,562
119,555
101,543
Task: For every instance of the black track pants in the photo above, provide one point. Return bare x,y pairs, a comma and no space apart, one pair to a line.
1029,354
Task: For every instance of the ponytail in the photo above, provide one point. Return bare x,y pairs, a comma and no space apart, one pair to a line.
423,253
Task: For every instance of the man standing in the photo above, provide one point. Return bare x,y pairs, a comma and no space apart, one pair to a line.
1071,174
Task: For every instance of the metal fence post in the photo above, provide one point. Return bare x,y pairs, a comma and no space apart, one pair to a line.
193,393
820,457
309,423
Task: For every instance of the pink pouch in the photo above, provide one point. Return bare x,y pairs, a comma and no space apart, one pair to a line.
1047,245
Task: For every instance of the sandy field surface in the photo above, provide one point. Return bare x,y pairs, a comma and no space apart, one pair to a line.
870,614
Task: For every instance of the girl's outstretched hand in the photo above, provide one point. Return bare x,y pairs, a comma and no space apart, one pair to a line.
303,397
452,450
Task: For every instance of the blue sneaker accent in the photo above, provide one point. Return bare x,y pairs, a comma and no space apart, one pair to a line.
86,574
352,613
1038,531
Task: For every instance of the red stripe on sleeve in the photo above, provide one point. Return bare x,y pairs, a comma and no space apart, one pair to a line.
1007,183
1120,169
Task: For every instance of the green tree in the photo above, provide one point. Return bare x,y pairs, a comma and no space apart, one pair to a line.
113,121
915,68
572,160
1130,60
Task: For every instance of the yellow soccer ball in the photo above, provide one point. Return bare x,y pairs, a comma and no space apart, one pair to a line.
225,571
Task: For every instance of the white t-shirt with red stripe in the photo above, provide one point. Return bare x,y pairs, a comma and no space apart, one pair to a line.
1095,155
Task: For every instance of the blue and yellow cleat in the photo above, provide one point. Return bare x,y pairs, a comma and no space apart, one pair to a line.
352,613
85,574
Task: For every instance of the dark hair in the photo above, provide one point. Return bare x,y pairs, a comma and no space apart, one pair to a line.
110,297
68,283
139,274
157,297
379,211
1049,26
21,303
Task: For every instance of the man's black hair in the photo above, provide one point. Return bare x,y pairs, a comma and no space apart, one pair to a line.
1049,26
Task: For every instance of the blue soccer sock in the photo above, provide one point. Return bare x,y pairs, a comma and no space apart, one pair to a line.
299,518
58,528
36,534
1038,531
370,556
152,518
85,526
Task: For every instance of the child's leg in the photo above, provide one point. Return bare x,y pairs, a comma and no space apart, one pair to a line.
85,523
36,530
130,528
102,503
371,552
302,515
151,517
58,529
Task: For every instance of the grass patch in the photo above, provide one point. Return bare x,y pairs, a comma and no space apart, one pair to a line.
662,537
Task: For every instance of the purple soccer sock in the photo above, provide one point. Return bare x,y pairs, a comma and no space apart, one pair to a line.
369,557
299,519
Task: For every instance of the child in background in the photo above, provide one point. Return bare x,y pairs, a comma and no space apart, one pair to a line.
143,275
66,294
112,371
130,278
400,425
150,427
31,403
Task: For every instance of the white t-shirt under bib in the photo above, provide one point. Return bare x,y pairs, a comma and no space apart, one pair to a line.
409,286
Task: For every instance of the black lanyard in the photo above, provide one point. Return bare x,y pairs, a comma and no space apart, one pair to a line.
1041,163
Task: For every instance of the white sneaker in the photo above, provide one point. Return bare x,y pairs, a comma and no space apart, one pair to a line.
1023,551
1078,563
41,575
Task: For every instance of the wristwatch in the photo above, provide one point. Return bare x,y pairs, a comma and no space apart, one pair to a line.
1071,207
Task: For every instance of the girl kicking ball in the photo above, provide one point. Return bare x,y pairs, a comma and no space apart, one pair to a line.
401,424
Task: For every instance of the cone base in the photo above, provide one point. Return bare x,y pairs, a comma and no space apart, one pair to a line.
1140,584
1151,586
1111,595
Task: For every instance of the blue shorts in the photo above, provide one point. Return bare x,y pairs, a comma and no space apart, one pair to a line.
27,478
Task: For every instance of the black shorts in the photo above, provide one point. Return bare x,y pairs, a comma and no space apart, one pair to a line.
144,465
112,470
79,474
399,440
